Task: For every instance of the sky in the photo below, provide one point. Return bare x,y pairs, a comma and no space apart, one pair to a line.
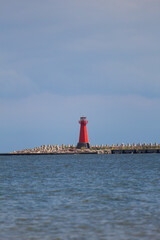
60,60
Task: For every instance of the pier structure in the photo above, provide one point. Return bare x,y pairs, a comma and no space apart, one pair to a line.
83,136
94,149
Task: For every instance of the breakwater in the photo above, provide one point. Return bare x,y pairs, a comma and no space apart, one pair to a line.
86,151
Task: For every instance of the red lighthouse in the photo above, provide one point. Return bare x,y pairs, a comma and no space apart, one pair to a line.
83,136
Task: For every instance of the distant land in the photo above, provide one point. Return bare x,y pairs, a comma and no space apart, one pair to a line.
94,149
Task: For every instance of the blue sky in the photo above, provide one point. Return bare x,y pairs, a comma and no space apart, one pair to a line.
63,59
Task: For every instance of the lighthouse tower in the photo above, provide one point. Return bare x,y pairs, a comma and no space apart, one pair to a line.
83,136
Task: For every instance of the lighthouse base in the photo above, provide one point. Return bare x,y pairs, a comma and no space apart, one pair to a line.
83,145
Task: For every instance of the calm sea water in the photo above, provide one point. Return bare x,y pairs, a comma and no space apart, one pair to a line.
109,197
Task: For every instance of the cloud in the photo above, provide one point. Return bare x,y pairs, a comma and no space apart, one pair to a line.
54,109
80,47
85,11
15,85
52,119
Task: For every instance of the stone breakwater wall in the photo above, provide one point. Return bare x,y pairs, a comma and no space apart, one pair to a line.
83,152
97,149
63,149
73,150
60,152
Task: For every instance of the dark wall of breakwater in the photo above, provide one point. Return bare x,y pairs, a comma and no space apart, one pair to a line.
134,151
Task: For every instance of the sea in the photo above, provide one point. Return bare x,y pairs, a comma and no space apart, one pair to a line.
80,197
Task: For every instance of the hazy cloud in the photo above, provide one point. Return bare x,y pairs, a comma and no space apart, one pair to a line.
54,119
15,85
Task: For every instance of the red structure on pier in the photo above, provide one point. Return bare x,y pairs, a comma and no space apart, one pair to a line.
83,136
